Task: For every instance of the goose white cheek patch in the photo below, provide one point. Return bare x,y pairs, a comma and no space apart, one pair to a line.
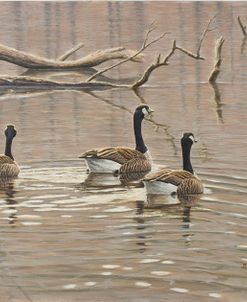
192,138
144,111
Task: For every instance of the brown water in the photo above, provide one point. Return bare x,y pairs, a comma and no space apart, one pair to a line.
69,236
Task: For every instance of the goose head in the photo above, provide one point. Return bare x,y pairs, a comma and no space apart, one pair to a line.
10,132
188,139
143,111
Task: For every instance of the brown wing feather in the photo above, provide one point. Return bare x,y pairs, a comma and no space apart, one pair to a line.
157,175
134,165
175,177
120,155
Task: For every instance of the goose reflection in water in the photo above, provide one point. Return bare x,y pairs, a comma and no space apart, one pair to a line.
108,181
174,203
7,192
141,226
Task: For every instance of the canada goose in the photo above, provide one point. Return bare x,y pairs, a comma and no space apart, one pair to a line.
167,181
122,159
8,167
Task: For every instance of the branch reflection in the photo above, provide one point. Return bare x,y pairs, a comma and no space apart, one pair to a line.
219,104
7,192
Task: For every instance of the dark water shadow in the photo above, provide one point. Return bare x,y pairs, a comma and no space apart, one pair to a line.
173,202
80,73
99,181
141,226
243,44
177,206
7,192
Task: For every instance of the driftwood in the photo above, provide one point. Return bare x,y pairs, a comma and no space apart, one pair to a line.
34,63
31,61
218,60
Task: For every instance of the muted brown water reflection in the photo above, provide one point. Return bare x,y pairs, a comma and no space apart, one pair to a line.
67,235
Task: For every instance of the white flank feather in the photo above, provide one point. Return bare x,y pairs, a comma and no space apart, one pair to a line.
159,187
97,165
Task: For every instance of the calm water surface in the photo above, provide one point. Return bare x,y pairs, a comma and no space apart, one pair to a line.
70,236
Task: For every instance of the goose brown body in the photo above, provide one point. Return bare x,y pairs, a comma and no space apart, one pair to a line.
181,181
186,182
8,167
122,159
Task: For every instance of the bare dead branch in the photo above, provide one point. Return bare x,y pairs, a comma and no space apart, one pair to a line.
162,62
145,45
150,29
243,28
153,66
198,56
190,54
70,52
218,60
206,30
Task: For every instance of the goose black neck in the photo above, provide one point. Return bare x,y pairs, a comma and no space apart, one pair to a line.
8,147
140,146
187,166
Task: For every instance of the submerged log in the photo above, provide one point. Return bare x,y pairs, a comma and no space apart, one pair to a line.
23,82
28,60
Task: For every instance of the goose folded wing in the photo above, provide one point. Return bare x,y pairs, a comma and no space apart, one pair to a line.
157,175
120,155
137,164
175,177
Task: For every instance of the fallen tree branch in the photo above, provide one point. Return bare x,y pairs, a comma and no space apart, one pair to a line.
70,52
31,61
218,60
243,28
145,45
